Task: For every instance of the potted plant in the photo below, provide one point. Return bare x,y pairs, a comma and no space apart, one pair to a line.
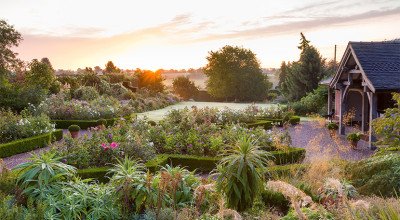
332,127
353,139
101,123
74,130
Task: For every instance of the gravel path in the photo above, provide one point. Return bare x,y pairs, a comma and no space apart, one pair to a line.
311,135
17,159
315,138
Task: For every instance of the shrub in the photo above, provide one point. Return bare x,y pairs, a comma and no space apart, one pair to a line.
73,128
353,137
332,126
313,102
86,93
27,144
294,120
310,214
152,123
265,124
101,122
241,173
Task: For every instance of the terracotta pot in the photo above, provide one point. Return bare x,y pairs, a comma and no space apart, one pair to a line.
333,133
74,134
353,144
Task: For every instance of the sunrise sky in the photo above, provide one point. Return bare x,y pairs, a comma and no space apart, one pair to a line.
178,34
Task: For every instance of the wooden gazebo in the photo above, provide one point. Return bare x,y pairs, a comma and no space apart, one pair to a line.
367,75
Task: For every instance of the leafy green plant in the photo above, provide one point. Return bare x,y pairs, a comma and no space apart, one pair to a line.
353,136
101,122
241,173
73,128
333,190
332,126
42,171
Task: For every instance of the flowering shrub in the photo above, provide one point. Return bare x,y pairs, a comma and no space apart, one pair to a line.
60,106
14,126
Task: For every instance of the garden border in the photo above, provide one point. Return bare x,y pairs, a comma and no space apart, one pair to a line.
294,120
29,144
85,124
190,162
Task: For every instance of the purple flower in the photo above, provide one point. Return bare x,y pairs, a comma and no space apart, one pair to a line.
199,141
109,136
65,160
190,145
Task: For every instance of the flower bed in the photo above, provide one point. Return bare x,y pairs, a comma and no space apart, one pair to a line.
202,164
60,107
29,144
19,126
85,124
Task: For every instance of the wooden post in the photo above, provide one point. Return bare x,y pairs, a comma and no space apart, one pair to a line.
372,115
342,126
330,101
365,113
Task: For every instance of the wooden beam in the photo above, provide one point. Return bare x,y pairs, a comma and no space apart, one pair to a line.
372,115
342,127
354,71
330,101
348,83
365,113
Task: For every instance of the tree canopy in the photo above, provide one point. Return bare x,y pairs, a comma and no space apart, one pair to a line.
9,37
185,88
111,68
235,73
303,76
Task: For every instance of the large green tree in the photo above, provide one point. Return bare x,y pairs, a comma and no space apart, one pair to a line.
304,75
185,88
9,38
111,68
235,73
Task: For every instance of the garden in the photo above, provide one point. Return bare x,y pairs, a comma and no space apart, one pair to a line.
195,163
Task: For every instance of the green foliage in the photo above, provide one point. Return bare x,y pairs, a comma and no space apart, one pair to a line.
310,214
303,76
100,174
150,80
85,124
27,144
313,102
241,173
74,128
111,68
332,126
235,73
377,175
86,93
275,199
9,211
185,88
264,124
330,195
127,171
55,87
101,122
42,171
388,126
9,38
294,120
353,136
40,75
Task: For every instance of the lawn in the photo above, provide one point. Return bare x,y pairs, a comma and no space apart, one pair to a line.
157,115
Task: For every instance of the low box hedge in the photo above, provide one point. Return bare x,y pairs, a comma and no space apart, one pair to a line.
265,124
85,124
29,144
201,164
279,122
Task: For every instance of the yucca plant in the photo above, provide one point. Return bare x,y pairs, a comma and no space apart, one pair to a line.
241,173
41,172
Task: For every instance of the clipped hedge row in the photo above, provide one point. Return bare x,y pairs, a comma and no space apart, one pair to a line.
85,124
29,144
265,124
202,164
279,122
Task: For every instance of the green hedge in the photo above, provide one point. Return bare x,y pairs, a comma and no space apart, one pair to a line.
279,122
28,144
202,164
265,124
85,124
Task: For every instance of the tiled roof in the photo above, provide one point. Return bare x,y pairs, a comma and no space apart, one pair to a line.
380,62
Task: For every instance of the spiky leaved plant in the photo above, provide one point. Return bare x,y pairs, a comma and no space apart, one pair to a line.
241,173
41,172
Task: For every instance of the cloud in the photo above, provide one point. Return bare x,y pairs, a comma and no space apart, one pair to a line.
311,23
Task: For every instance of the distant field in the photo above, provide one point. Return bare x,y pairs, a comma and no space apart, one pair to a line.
157,115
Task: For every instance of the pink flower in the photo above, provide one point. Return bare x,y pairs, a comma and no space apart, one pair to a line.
103,144
113,145
106,147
